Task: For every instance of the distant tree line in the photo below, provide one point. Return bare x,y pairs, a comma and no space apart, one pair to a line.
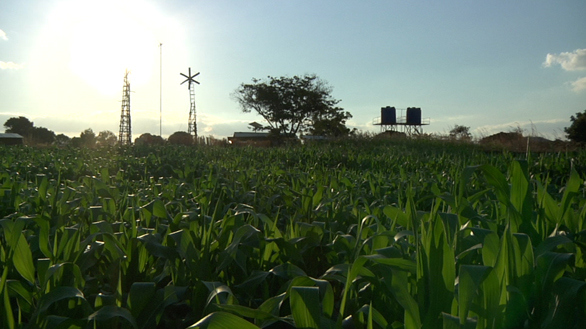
87,138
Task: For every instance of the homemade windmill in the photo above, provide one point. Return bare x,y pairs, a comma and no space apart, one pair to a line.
125,135
191,124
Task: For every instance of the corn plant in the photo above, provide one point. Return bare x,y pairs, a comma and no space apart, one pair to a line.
384,234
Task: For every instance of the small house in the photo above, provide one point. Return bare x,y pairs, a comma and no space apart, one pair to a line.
11,139
250,138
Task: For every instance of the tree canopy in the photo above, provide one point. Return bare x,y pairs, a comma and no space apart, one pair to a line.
20,125
148,139
26,128
42,135
291,105
106,137
577,130
460,133
181,138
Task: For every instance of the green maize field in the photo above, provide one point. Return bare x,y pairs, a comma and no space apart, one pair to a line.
353,234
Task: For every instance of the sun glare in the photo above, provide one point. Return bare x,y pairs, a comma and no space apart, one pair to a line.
109,37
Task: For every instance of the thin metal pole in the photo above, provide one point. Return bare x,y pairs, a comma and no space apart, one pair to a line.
161,90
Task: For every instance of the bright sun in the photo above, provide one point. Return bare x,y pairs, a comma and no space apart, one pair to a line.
108,37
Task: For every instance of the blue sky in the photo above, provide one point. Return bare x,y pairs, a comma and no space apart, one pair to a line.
490,65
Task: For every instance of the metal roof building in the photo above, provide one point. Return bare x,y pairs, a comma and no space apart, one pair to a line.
11,139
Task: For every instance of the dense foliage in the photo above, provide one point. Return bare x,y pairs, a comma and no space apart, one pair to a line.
377,234
577,130
27,129
292,105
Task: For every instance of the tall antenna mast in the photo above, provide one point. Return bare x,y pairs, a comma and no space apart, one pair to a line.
191,124
161,90
125,136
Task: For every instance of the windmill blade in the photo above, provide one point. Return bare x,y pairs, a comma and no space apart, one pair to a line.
189,78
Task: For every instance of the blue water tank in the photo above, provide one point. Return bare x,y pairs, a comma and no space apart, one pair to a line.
388,115
414,116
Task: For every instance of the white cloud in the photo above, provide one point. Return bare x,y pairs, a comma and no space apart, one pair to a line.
10,66
579,84
569,61
3,35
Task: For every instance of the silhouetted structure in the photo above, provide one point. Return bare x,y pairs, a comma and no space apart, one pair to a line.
125,135
250,138
191,124
411,123
11,139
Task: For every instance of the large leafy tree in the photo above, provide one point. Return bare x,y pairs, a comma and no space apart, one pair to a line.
88,138
26,128
291,105
460,132
148,139
62,140
42,135
106,138
20,125
181,138
577,130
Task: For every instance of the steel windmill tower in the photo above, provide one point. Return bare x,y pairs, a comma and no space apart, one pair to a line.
191,124
125,135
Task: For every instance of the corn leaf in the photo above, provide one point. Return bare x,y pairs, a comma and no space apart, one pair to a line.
222,320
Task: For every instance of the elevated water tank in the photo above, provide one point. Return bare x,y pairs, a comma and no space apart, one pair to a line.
388,115
414,116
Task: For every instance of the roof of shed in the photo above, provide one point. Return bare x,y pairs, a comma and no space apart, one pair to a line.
10,135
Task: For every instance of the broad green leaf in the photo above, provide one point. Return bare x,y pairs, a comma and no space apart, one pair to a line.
400,289
567,304
273,304
523,262
305,306
260,317
498,181
19,289
550,267
222,320
548,204
159,209
571,191
470,278
111,311
287,271
23,260
12,231
399,263
453,322
141,294
44,228
520,192
7,318
153,309
373,316
490,249
317,196
56,295
436,271
326,294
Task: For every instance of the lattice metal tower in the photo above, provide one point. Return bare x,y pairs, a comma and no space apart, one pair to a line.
191,124
125,136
